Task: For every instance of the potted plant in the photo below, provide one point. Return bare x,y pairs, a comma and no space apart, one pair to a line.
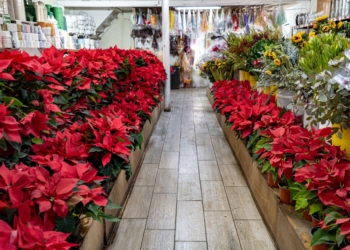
280,71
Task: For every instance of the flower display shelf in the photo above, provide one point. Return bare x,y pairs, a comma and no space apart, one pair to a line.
288,230
99,233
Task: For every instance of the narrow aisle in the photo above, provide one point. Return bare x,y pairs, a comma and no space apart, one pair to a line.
190,194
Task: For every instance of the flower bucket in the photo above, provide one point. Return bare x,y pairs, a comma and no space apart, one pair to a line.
344,143
245,76
252,81
241,75
285,98
268,90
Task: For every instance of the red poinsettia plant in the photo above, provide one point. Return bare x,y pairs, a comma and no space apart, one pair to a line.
68,123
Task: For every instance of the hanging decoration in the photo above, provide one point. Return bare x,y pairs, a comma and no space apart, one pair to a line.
184,24
210,28
189,23
194,22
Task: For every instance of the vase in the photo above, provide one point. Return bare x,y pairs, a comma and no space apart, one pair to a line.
241,75
252,81
323,246
271,182
344,142
285,98
284,193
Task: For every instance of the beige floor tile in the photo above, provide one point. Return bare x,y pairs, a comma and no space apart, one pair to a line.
201,128
166,182
253,235
216,130
127,230
205,153
188,165
203,140
162,212
152,155
147,175
221,231
169,160
223,151
242,204
209,171
190,245
190,221
172,145
232,176
189,187
214,196
138,203
156,141
157,240
188,149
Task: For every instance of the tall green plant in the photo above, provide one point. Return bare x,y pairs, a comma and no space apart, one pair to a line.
314,57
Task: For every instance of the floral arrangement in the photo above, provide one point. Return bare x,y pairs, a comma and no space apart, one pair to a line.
278,69
300,39
69,121
324,25
317,172
217,70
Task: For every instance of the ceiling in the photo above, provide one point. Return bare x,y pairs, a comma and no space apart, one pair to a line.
127,4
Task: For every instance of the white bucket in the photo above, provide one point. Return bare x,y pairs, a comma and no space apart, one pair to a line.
285,98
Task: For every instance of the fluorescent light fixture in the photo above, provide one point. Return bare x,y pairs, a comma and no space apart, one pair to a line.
198,8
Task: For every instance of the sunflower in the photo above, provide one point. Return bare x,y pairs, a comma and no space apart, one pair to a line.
315,26
274,56
266,53
268,72
312,34
303,45
325,28
297,38
332,24
277,62
340,25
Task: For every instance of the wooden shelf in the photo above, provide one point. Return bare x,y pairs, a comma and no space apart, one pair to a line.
335,19
305,26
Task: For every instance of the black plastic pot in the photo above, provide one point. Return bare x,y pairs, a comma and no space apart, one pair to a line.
175,78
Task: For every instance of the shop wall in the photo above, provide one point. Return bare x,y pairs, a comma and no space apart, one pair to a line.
118,33
293,10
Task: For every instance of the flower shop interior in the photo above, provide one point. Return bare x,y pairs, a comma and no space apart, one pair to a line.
175,125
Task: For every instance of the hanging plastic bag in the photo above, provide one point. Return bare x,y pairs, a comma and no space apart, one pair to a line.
154,20
199,23
216,21
235,21
133,18
204,25
171,20
155,45
222,22
178,23
194,22
149,17
140,21
186,64
263,17
281,16
228,21
211,21
189,22
184,27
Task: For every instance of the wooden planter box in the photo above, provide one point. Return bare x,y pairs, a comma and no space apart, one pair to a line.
288,230
99,233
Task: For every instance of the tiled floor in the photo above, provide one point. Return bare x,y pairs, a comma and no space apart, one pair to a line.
190,194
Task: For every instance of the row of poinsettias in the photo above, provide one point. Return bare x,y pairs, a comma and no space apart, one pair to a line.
68,122
317,173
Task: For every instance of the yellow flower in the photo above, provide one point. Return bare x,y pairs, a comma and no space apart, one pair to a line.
325,28
300,33
340,25
303,45
270,53
268,72
312,34
297,38
332,24
277,62
315,26
274,56
266,53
